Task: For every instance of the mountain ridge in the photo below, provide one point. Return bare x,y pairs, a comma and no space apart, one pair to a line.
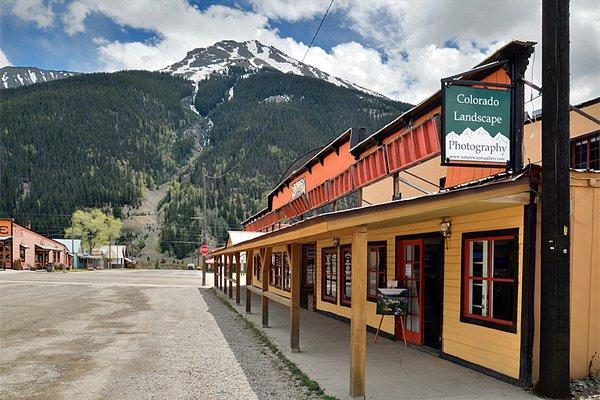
200,63
14,77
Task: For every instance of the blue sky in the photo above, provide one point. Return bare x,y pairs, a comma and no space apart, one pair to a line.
24,43
399,48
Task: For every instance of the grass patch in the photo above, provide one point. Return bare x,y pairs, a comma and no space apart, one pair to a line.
311,385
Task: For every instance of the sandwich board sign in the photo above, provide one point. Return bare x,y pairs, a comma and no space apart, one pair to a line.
476,126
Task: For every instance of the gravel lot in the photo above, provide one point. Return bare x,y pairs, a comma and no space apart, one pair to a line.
129,335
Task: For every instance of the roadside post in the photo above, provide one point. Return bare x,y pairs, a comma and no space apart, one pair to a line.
204,251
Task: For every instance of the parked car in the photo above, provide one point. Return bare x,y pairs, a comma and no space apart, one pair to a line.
191,266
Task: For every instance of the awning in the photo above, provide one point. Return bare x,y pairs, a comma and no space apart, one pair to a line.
5,238
502,190
47,248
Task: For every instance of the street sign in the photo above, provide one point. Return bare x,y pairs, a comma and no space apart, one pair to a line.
204,249
476,125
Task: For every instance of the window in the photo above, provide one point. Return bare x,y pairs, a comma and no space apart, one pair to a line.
275,272
257,266
585,151
308,278
376,264
5,253
490,262
346,274
287,277
22,250
329,275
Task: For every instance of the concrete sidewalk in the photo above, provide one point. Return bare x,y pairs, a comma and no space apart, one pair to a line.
393,371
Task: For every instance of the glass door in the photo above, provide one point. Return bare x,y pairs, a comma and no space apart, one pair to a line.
409,263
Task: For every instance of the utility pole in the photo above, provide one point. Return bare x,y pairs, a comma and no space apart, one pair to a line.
204,223
555,265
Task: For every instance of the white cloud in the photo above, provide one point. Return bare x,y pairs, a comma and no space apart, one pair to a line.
4,60
421,44
32,11
179,27
289,10
416,40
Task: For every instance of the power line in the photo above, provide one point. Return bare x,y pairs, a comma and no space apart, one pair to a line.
270,117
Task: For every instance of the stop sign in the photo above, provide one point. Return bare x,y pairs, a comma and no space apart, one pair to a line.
204,249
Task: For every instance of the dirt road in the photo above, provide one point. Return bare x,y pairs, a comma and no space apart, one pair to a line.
127,335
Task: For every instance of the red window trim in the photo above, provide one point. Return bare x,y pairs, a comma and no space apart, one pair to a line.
381,274
586,138
465,316
344,300
324,297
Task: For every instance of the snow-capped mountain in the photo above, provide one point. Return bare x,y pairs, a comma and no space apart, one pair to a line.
13,77
199,63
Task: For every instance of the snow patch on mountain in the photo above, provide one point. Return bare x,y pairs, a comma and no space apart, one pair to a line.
251,55
13,77
280,98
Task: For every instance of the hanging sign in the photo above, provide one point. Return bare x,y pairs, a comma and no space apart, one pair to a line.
476,125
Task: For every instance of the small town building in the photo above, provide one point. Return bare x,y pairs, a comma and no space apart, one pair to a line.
22,248
75,250
372,211
114,255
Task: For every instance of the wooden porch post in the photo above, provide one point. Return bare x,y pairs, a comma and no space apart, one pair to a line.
230,289
358,321
294,252
224,274
249,275
216,271
223,280
266,266
238,269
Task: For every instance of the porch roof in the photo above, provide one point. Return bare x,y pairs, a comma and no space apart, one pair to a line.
499,191
46,248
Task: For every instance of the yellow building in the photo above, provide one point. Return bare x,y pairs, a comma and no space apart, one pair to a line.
463,241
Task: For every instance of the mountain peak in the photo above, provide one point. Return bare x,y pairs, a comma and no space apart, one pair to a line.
252,55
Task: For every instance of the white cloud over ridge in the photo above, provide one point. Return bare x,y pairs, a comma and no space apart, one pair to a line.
405,51
4,60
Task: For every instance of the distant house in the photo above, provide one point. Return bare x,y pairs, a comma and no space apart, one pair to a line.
117,254
75,251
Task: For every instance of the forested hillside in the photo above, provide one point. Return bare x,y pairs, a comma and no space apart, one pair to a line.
307,113
101,140
93,140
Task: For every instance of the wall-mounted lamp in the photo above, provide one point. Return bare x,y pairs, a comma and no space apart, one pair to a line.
336,242
445,228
